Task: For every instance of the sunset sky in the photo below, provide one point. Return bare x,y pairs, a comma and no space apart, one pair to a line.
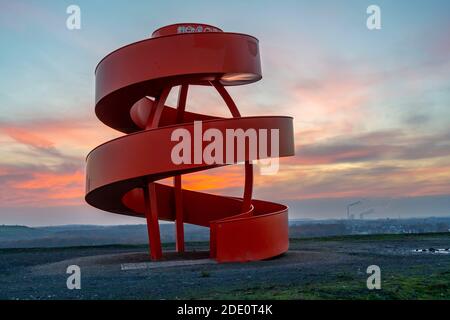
371,108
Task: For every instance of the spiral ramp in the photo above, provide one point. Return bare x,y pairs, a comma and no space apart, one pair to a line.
132,85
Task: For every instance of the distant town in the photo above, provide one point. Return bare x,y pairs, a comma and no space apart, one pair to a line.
322,228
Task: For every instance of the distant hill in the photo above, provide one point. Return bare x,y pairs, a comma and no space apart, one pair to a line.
79,235
8,233
87,235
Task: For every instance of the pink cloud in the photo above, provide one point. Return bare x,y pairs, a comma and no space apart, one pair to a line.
27,137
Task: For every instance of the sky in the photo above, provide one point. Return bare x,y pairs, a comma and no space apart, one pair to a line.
371,108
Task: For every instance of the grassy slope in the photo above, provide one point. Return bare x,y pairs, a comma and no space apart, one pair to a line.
434,286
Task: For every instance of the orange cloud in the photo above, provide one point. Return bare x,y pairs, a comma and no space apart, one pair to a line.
215,180
40,189
68,133
26,137
52,180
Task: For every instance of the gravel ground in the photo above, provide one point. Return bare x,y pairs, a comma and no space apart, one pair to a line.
329,268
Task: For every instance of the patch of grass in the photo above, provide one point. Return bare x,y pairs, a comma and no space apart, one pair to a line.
345,286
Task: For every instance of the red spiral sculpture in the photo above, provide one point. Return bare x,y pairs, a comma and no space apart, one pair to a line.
132,85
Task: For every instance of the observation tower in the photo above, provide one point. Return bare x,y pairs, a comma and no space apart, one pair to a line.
132,86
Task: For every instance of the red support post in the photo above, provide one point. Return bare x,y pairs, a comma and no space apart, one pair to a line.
151,207
151,214
179,227
248,188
